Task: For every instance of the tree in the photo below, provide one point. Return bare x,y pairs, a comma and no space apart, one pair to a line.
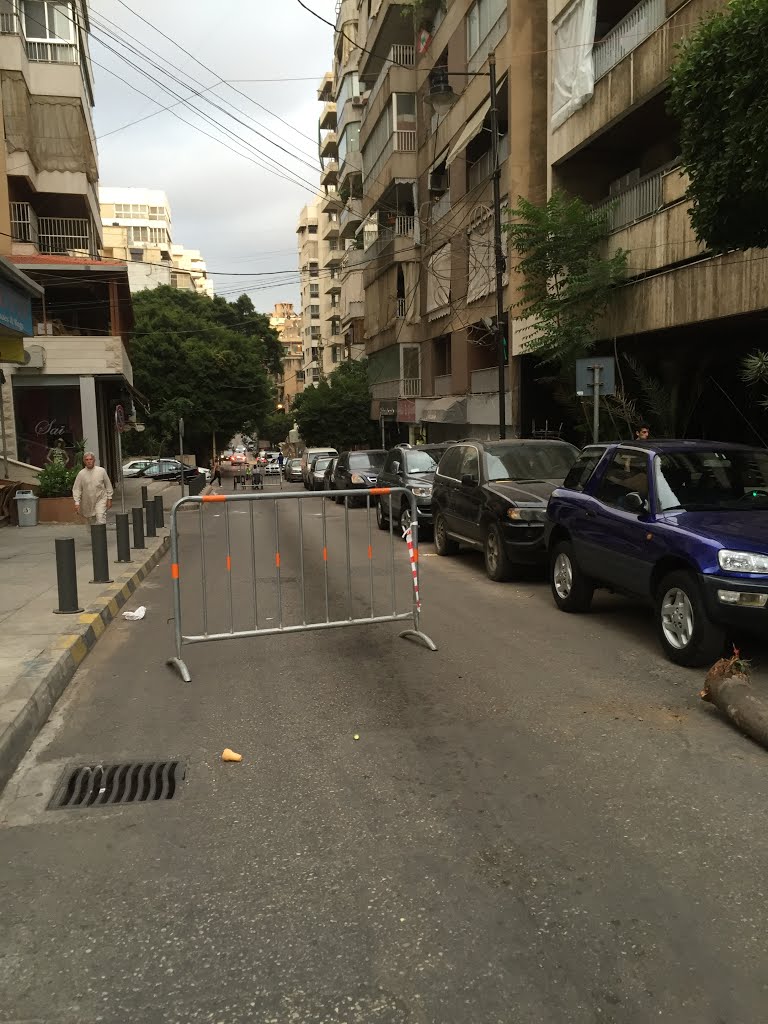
242,317
191,362
566,281
754,371
338,410
275,427
717,93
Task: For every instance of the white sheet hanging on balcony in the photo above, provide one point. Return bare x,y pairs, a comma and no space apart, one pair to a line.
439,283
472,128
573,74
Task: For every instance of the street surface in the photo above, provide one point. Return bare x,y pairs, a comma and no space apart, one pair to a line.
540,822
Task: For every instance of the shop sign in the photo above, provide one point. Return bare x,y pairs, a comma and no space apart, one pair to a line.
388,410
15,310
406,410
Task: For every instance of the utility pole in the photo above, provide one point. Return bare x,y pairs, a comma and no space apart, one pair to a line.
498,251
6,474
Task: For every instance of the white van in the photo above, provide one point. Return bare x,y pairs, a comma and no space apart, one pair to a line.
309,456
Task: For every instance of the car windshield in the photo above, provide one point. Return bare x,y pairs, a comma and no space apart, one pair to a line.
423,460
711,480
528,461
320,465
367,460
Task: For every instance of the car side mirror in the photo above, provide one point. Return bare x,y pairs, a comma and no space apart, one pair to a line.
633,502
468,480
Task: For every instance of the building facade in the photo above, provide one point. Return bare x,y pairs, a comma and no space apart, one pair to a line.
75,364
287,323
137,228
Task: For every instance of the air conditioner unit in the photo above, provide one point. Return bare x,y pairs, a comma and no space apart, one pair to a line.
438,181
44,327
34,357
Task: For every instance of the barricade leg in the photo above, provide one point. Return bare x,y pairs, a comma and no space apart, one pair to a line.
178,661
412,538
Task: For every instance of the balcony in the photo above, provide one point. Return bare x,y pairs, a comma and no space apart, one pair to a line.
375,242
444,385
331,201
640,200
625,37
325,89
24,226
481,170
334,283
9,23
350,218
404,387
486,382
329,174
331,227
328,117
401,55
334,256
400,141
52,53
51,234
329,146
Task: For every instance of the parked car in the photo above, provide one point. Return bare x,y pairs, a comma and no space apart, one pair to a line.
204,471
272,468
413,468
136,467
328,475
492,495
358,470
307,458
681,525
293,471
317,472
168,469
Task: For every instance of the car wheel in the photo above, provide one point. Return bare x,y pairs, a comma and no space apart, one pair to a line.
687,634
405,519
443,543
497,563
571,589
381,520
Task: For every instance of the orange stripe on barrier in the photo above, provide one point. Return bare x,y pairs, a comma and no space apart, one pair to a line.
415,555
325,554
174,570
277,559
229,564
214,497
370,552
381,490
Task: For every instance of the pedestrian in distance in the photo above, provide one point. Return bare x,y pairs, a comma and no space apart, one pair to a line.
216,477
643,432
92,491
280,461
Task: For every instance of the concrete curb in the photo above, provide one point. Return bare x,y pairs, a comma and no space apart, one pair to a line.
48,676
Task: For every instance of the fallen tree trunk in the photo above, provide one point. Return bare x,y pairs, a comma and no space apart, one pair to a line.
727,686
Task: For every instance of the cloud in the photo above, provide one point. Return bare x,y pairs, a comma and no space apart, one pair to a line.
240,216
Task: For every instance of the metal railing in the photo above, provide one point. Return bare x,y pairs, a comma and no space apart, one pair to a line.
444,384
24,226
623,38
637,201
482,168
400,55
412,387
52,53
403,140
62,234
299,575
400,309
9,23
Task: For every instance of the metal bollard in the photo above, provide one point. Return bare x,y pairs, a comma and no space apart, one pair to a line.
100,553
123,537
138,528
149,509
159,512
66,577
144,494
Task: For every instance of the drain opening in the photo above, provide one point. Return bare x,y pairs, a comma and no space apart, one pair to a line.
104,785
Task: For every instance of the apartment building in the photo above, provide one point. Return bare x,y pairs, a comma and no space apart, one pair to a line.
612,140
287,323
75,364
137,228
428,256
190,271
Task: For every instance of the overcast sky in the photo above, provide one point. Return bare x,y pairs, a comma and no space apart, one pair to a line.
241,216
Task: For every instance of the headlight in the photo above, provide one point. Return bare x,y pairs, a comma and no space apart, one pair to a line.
526,515
423,492
357,479
742,561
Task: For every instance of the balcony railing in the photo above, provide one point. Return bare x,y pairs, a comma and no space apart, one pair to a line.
376,241
405,387
400,309
482,168
637,201
401,55
400,141
486,382
9,23
24,227
627,35
52,53
444,385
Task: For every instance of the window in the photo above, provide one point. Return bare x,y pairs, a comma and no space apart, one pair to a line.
529,461
367,461
314,291
312,228
451,462
712,479
334,353
43,20
137,255
141,233
627,474
470,463
314,270
582,469
314,312
480,20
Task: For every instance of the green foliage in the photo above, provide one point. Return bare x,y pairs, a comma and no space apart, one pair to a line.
421,10
669,403
338,411
204,360
754,371
56,481
566,282
275,427
717,93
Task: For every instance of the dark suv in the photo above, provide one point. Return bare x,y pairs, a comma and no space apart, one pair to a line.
357,471
493,495
413,468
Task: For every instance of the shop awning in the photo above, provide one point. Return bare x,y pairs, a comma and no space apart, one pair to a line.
451,409
472,128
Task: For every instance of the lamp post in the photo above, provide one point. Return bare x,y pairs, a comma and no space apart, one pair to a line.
442,97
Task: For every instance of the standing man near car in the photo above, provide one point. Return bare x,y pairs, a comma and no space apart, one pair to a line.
643,432
92,491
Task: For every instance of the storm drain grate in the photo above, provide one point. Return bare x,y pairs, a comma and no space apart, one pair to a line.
104,785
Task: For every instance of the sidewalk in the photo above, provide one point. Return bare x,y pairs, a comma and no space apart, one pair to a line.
40,651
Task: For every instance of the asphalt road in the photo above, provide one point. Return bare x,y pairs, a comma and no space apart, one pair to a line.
540,821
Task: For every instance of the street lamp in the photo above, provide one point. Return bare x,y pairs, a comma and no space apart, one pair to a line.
442,97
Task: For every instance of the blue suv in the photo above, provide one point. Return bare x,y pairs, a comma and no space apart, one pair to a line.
682,525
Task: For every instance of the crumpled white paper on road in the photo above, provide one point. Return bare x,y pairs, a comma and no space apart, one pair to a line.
140,612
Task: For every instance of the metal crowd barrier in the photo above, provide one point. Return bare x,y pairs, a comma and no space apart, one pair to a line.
276,497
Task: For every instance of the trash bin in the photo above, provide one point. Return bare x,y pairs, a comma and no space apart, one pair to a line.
26,508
